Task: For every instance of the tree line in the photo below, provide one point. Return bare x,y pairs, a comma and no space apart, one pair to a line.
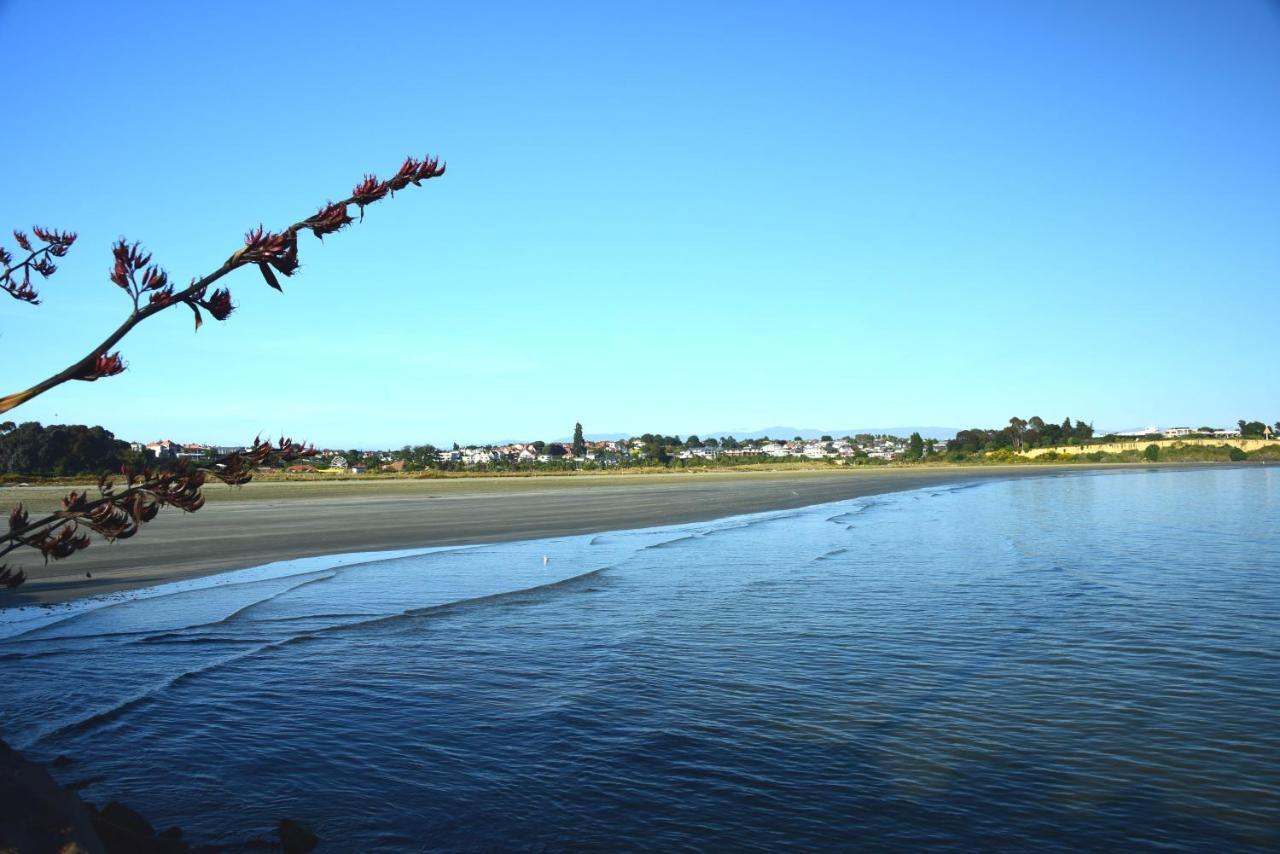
60,449
1020,435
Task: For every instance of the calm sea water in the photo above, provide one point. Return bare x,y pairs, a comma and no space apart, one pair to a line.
1060,663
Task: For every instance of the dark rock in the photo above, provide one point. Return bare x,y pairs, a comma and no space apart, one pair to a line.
296,838
61,761
124,831
126,820
37,813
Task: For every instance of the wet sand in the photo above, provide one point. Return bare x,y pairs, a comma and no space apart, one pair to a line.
267,522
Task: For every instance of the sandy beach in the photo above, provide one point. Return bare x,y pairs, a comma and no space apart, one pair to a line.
265,522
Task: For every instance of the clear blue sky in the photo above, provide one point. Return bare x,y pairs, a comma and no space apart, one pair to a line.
658,217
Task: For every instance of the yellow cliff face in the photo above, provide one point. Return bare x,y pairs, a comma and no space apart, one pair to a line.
1247,445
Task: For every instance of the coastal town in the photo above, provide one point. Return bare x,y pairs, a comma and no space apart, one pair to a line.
583,453
655,449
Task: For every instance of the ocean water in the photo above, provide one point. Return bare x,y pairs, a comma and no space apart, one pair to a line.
1078,661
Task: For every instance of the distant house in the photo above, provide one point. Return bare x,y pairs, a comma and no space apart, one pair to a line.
358,469
163,450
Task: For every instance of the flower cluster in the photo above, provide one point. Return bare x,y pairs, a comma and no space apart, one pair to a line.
105,365
134,273
118,511
268,251
56,244
332,217
412,171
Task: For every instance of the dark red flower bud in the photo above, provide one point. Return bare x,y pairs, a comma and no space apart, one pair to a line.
329,219
219,304
59,239
23,291
22,240
154,279
367,192
431,167
107,365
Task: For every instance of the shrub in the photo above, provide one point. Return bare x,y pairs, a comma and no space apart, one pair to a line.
1238,455
1152,453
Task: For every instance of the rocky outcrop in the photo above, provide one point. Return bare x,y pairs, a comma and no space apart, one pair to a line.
36,814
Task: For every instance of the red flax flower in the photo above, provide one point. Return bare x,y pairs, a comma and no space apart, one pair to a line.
107,365
219,304
59,241
329,219
367,192
128,261
23,291
268,249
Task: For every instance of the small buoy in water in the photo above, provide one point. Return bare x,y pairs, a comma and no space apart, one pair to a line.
88,575
546,559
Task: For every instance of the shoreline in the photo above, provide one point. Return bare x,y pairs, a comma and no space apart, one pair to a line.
280,521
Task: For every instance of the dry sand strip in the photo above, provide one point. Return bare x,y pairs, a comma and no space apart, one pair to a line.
267,522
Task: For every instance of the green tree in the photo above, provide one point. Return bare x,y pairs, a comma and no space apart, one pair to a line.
1016,428
1152,453
915,446
579,443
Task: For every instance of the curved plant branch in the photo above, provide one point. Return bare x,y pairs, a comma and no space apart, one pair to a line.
149,287
117,513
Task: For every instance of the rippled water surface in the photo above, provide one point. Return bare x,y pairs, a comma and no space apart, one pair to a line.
1066,662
